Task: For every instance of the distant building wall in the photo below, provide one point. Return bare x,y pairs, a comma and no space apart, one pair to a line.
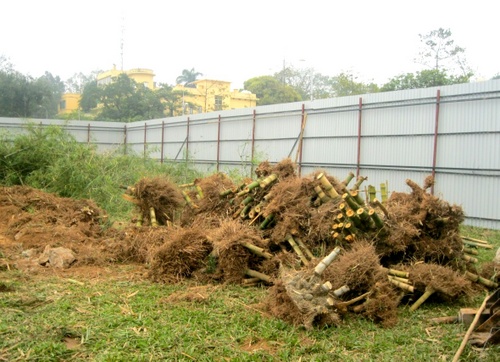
451,132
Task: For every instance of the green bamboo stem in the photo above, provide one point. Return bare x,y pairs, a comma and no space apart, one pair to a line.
348,179
321,194
226,192
481,280
246,201
186,185
245,211
400,279
357,197
349,238
296,248
257,250
140,220
199,191
268,180
377,203
376,219
343,207
372,192
188,200
358,183
327,186
350,201
428,292
351,215
252,186
340,217
250,280
266,222
256,274
349,226
383,191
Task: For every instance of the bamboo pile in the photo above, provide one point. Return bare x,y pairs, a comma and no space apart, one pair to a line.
320,246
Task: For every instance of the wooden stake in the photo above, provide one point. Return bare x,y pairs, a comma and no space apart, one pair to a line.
474,240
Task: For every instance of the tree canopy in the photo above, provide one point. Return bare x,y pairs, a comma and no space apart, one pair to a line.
188,76
269,90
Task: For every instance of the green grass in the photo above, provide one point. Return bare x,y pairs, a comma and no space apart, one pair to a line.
131,319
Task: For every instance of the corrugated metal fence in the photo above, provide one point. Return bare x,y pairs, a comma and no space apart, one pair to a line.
451,132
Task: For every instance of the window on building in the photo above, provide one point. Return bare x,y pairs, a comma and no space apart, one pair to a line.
218,103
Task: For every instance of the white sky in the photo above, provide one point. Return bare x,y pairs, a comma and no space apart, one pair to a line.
238,40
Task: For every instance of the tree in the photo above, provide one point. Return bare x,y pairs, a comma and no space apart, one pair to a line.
124,100
91,94
345,84
187,77
172,100
78,81
439,52
271,91
423,79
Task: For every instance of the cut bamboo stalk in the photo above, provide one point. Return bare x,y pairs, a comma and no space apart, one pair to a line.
363,215
306,249
329,189
471,251
238,212
479,245
397,273
372,192
296,248
188,200
350,238
343,207
256,274
252,186
377,203
474,240
250,280
226,192
246,201
383,191
340,217
268,180
268,196
469,259
245,211
321,194
478,279
140,220
358,183
376,219
349,226
357,197
257,250
199,191
404,286
400,279
327,260
428,292
348,179
351,215
152,216
350,201
267,221
186,185
341,291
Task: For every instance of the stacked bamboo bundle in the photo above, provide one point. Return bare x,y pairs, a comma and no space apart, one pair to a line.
322,248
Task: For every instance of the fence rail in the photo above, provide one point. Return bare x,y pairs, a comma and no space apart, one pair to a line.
451,132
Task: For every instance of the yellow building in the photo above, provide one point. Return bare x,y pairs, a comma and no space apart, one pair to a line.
139,75
70,102
203,95
209,95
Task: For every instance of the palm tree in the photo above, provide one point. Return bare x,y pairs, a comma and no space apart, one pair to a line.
188,76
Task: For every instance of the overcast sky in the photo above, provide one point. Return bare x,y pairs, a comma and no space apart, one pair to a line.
238,40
